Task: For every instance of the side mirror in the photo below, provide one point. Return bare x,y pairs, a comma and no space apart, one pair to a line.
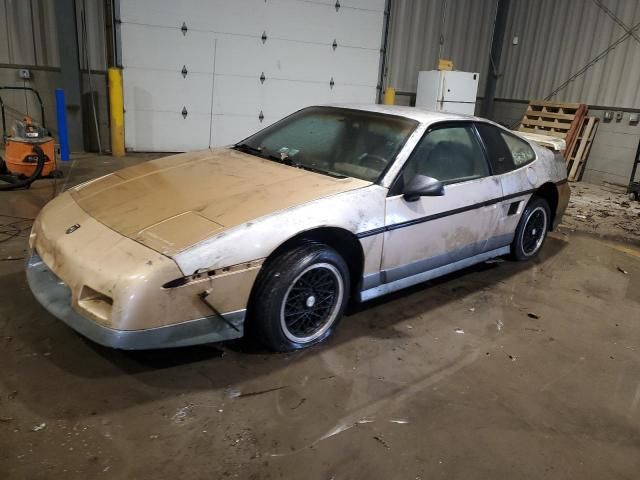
422,186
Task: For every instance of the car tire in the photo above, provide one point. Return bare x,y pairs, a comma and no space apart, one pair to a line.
299,298
532,229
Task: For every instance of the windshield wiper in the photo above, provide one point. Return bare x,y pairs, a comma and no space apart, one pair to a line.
314,169
246,148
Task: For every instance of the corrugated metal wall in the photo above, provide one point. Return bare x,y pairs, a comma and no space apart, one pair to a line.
28,38
28,33
555,40
92,40
414,38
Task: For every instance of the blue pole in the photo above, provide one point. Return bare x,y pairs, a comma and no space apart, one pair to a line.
61,114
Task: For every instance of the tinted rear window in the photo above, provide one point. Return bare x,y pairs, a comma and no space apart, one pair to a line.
499,154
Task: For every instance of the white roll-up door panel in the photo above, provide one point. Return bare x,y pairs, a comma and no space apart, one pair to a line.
168,92
165,48
202,73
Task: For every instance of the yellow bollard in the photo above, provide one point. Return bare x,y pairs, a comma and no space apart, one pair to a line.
389,96
116,111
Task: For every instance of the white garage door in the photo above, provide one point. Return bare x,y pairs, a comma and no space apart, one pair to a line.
201,73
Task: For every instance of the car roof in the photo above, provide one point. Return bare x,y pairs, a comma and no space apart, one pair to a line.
428,117
421,115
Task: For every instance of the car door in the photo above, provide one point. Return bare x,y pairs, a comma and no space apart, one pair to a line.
435,231
511,159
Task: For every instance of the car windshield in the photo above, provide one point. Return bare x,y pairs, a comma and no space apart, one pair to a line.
335,141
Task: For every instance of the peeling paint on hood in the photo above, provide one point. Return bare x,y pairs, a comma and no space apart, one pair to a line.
174,202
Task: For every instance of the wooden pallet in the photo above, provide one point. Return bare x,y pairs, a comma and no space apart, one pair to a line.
560,120
579,152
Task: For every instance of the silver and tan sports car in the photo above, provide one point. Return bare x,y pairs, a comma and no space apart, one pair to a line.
272,237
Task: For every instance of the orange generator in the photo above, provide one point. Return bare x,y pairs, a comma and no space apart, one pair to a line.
20,157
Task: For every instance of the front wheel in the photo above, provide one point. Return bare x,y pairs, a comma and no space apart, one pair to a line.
299,298
532,229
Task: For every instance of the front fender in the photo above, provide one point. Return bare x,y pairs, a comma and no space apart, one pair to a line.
355,211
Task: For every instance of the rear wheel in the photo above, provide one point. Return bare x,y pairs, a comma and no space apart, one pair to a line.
532,229
299,298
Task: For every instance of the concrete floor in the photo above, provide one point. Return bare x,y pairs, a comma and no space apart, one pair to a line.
603,210
505,370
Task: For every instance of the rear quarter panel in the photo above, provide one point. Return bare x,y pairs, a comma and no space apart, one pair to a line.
519,185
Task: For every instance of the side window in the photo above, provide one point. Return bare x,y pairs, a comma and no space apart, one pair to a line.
506,152
449,154
520,150
499,154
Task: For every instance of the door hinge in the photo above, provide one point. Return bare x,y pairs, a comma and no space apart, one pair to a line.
184,112
184,28
184,71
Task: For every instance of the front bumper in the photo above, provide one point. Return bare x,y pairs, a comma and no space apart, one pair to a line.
55,297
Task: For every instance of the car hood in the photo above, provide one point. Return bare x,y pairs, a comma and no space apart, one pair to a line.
175,202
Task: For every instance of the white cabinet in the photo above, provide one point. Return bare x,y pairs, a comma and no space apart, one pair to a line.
447,91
